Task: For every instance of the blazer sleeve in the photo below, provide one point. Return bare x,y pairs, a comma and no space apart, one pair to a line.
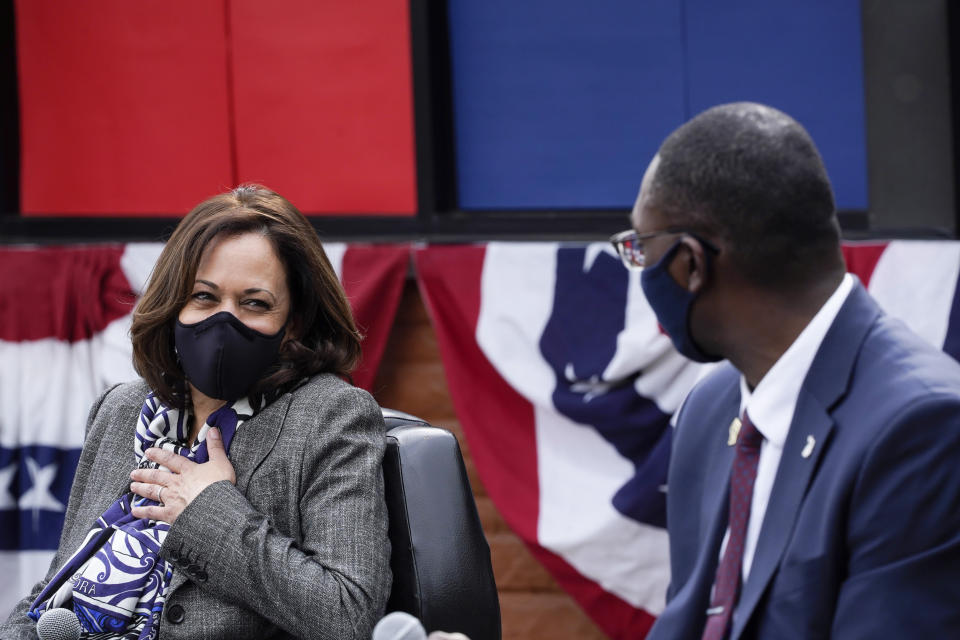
18,625
333,583
903,536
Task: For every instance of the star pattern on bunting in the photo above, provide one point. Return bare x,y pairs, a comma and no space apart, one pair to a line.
594,250
594,386
39,496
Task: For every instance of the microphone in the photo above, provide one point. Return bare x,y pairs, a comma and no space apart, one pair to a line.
58,624
398,626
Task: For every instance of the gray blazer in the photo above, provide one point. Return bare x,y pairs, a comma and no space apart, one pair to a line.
298,548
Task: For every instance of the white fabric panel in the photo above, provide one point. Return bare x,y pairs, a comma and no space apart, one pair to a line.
335,252
20,570
137,263
576,517
915,281
29,413
139,257
516,298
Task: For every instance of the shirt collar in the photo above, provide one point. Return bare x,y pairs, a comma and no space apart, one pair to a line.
772,404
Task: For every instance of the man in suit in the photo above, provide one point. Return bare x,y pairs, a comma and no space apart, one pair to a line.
814,484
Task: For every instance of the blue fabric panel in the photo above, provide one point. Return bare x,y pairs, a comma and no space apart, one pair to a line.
579,347
801,56
562,103
35,483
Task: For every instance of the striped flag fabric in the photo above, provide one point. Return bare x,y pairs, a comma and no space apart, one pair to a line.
565,386
560,376
65,315
915,281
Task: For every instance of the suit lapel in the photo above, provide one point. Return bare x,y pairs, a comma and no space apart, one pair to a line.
714,509
253,441
826,383
716,488
689,608
790,486
684,614
256,438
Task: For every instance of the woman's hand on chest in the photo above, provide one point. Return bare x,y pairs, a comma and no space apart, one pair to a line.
184,481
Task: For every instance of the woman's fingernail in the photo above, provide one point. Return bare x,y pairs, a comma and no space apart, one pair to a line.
214,433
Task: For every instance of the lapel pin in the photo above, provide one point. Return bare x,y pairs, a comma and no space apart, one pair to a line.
808,448
733,432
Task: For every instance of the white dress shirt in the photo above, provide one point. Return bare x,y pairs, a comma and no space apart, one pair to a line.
771,407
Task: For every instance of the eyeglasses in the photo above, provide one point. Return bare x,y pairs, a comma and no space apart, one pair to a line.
629,244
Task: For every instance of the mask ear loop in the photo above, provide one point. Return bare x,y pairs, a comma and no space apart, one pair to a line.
259,399
184,386
708,249
669,255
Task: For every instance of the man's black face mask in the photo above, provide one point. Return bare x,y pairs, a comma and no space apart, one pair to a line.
671,303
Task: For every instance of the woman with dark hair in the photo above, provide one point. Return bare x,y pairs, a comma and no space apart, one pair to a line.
236,491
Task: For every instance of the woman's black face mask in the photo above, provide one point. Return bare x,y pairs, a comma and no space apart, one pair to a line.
222,357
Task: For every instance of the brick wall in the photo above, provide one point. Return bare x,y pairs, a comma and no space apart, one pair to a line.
411,379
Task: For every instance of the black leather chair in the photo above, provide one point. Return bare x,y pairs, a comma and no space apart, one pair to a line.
440,560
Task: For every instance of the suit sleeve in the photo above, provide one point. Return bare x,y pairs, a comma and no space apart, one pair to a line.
903,538
18,625
675,481
334,582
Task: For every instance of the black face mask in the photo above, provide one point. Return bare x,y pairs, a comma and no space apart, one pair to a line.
671,303
222,357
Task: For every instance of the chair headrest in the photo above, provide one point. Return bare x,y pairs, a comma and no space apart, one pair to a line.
393,418
440,558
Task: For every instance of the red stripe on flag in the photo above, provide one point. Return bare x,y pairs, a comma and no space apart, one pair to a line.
862,259
618,618
500,434
62,293
373,278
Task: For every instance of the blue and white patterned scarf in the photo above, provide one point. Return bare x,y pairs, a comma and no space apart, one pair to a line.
116,582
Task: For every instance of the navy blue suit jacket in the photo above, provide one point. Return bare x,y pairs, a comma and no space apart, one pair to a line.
861,539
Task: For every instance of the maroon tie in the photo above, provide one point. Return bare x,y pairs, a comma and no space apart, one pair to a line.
726,587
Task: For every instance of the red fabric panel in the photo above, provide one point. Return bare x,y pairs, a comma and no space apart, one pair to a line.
373,280
324,103
862,259
501,434
123,106
62,293
618,618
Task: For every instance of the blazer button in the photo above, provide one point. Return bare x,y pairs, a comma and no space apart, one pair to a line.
176,614
200,576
